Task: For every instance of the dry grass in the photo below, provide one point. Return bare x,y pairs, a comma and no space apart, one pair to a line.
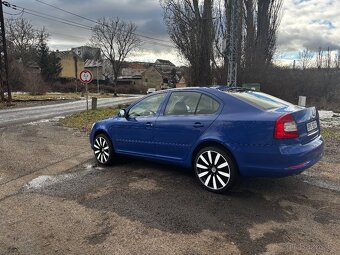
84,120
330,133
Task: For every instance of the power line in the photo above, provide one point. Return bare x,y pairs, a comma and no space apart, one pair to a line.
151,40
57,33
94,21
51,16
3,61
14,14
86,28
58,8
48,17
70,24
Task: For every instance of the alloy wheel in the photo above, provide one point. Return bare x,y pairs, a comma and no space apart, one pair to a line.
213,170
101,150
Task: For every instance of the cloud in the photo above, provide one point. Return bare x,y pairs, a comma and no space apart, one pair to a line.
309,24
305,24
146,14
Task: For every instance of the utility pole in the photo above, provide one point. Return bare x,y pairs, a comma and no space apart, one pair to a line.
231,46
3,58
97,77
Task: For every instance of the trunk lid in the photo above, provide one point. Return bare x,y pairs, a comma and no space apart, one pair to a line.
307,121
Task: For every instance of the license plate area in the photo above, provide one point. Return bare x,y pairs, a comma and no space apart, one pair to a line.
312,126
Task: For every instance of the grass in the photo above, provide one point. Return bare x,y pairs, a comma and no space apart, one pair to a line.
84,120
330,133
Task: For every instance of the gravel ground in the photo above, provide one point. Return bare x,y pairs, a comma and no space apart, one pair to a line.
54,199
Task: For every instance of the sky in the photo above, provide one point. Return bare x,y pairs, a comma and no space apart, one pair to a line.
305,24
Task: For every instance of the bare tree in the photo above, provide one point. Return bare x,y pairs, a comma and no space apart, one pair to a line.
337,60
116,39
22,38
190,26
200,31
319,58
329,58
262,19
305,58
219,60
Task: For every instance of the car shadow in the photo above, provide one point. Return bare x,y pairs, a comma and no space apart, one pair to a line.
170,199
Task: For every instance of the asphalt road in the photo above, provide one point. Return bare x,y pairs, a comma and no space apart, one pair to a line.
28,114
54,199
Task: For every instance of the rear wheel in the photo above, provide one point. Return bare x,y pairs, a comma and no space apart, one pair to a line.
103,150
215,169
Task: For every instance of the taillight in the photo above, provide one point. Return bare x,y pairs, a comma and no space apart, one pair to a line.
285,127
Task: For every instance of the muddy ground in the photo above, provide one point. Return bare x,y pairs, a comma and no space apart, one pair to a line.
54,199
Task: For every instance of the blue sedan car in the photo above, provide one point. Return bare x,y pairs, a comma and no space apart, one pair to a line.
222,134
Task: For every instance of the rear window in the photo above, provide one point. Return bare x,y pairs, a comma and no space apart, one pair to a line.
261,100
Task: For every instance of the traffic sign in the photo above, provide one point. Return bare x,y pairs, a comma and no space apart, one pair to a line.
85,76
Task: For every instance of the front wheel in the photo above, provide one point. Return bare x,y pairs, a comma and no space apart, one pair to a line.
215,169
103,150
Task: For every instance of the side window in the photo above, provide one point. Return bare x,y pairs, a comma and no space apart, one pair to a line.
182,103
207,105
147,107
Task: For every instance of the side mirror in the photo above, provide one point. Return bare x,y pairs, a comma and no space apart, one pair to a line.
122,113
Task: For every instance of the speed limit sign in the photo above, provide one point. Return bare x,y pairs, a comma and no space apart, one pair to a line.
85,76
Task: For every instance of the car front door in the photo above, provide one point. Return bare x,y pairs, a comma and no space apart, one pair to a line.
134,133
186,116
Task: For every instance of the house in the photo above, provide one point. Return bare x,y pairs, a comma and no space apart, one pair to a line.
87,52
164,65
133,68
96,67
161,75
100,69
130,80
181,83
152,78
71,64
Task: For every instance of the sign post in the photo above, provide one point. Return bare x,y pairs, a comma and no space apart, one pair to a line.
85,77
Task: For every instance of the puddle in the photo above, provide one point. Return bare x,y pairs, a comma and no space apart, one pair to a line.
314,180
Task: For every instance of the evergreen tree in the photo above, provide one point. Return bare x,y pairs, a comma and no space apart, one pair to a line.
54,67
48,62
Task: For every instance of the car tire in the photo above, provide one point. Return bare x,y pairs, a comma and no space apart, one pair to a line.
215,169
103,149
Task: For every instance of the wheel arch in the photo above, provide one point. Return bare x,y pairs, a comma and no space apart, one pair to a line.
100,131
212,143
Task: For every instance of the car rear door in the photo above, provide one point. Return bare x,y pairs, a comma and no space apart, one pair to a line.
185,118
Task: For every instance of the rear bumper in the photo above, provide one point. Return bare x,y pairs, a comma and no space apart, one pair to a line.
279,161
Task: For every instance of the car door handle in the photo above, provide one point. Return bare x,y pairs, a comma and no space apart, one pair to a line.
198,124
149,124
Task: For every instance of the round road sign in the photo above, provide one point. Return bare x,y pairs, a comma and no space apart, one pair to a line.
85,76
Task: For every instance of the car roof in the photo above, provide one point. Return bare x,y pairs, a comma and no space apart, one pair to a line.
216,90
